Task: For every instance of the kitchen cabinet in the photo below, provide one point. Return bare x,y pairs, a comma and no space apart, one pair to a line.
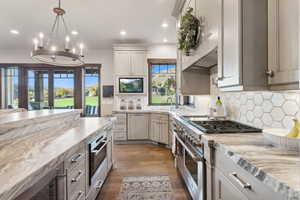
122,62
283,55
130,63
159,128
224,190
231,181
120,127
242,44
138,126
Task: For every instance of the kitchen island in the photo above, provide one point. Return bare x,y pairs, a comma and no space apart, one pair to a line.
27,157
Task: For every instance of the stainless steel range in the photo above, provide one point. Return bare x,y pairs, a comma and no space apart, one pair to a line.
190,149
190,160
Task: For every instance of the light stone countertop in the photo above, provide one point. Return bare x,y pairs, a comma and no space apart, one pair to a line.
20,116
277,169
28,159
182,110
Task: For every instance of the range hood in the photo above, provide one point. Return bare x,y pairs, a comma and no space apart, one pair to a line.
207,61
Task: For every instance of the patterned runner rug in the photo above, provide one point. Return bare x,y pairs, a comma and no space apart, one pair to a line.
146,188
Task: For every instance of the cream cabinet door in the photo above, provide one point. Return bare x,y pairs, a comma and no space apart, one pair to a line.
122,63
230,44
224,190
164,132
283,34
138,63
155,130
138,126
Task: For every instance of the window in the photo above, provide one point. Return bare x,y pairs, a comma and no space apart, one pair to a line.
11,87
92,91
162,82
38,89
64,89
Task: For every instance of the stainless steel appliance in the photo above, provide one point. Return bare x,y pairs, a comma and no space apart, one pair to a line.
97,155
190,161
50,187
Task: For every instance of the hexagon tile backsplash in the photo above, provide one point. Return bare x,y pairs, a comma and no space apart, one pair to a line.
263,109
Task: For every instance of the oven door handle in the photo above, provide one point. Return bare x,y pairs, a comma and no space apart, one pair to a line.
97,151
194,157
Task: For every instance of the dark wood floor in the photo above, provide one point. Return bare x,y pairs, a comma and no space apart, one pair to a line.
141,160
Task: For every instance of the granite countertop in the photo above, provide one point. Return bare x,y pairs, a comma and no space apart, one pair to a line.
27,159
277,169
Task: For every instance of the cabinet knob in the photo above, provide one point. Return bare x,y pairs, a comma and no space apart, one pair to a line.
270,73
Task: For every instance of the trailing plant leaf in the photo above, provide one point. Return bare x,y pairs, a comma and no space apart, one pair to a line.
188,35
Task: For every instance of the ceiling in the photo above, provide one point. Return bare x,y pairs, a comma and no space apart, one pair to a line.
98,22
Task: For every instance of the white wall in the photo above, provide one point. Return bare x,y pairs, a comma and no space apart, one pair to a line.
162,51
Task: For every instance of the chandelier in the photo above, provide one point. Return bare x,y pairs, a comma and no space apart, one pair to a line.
58,49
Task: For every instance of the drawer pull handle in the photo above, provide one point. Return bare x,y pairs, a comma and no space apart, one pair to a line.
76,179
243,184
80,193
99,185
76,158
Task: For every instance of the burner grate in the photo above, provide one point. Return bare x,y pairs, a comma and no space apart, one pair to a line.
224,126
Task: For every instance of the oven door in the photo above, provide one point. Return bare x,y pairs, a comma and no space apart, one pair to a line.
97,154
192,169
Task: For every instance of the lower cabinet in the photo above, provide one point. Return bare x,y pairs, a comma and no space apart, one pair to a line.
159,128
138,125
232,182
225,190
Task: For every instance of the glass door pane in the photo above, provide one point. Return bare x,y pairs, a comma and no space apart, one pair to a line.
11,83
38,90
64,89
91,91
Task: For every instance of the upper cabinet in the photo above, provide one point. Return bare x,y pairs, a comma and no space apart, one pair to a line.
130,61
242,44
283,63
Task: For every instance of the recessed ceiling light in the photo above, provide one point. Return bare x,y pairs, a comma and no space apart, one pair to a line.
164,25
74,32
165,40
14,32
123,33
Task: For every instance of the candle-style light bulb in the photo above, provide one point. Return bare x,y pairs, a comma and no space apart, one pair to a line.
67,43
53,48
81,46
41,42
35,43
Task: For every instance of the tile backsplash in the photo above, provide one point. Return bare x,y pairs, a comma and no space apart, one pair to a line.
263,109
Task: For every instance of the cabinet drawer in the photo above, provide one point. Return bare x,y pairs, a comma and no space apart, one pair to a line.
120,135
164,117
78,195
120,116
77,155
120,125
243,180
76,179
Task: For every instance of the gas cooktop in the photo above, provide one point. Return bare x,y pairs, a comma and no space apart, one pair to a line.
223,126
